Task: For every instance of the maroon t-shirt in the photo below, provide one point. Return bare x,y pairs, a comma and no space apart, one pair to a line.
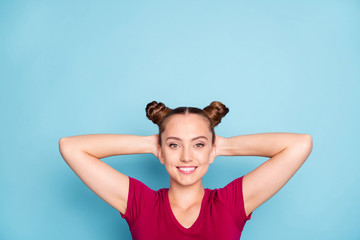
149,215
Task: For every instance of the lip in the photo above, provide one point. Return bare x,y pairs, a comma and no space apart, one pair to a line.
186,169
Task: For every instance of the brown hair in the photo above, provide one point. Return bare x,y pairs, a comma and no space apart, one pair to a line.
158,113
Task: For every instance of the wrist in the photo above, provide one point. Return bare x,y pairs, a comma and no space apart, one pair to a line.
227,147
221,145
151,144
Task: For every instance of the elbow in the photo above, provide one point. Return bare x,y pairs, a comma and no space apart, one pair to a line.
307,142
308,139
63,142
65,148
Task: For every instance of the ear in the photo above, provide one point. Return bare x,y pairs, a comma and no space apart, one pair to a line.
160,154
212,154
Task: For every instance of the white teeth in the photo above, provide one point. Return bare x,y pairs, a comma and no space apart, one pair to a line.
187,169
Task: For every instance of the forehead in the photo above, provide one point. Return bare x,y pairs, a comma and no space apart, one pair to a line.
187,124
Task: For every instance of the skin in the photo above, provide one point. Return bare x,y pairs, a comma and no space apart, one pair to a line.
186,141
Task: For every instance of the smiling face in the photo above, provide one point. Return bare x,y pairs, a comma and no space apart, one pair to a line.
186,149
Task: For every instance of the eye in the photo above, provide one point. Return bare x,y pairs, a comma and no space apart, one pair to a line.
173,145
199,145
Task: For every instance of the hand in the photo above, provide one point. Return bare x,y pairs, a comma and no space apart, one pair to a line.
219,142
154,144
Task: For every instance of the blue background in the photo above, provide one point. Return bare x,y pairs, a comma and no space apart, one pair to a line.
80,67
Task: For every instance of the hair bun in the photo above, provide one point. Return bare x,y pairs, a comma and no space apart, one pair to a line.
215,112
156,112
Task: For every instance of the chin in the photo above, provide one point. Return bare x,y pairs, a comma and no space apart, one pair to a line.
187,182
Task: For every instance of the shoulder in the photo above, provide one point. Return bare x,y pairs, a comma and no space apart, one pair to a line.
139,197
133,182
138,188
235,186
228,191
231,196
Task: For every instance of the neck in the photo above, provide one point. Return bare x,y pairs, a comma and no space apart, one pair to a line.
186,196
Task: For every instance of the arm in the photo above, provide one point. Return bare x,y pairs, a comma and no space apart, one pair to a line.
82,153
287,152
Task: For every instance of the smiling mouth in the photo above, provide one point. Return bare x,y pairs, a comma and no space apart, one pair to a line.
186,170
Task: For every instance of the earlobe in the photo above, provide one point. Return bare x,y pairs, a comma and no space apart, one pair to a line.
160,155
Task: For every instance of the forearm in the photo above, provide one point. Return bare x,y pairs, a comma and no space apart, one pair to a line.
106,145
260,144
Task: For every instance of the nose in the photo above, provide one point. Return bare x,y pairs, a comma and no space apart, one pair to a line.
186,155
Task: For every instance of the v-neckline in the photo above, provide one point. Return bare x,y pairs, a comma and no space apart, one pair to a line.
176,222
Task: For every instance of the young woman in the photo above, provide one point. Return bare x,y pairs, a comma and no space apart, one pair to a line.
186,144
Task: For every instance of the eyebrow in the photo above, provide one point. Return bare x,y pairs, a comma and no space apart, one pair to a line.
179,139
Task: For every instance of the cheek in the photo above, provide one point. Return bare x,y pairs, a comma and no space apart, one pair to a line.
203,156
170,156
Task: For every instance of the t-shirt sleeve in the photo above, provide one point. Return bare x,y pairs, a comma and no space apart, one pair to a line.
232,196
139,195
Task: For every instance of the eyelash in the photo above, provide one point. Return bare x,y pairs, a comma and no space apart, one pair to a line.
174,145
202,145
